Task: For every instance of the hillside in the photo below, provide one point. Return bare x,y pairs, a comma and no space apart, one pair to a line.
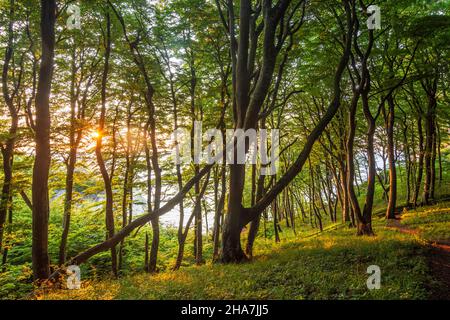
332,265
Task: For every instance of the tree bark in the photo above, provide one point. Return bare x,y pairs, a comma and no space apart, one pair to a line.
390,211
429,139
418,182
40,200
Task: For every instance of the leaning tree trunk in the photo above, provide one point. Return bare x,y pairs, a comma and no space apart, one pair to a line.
254,225
182,242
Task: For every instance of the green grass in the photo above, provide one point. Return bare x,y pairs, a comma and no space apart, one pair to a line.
433,223
331,266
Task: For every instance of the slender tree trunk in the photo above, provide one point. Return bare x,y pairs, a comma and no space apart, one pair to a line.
420,161
356,209
433,162
254,225
276,224
74,140
365,226
256,196
155,245
439,145
67,205
151,124
219,214
7,157
7,149
8,230
390,211
191,218
40,200
126,183
429,125
146,254
346,200
109,211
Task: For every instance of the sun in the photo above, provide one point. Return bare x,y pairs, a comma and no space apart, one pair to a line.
96,134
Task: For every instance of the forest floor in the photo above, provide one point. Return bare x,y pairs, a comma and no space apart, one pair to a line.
412,254
426,226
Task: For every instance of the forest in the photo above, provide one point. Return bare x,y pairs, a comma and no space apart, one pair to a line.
315,147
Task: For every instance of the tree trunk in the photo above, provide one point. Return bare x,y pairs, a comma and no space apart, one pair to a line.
40,200
365,226
7,150
231,235
256,195
219,214
126,195
109,211
67,205
356,209
418,182
439,145
73,149
433,162
146,255
5,250
390,211
155,245
429,125
191,218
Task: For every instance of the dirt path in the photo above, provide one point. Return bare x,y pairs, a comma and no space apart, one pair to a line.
438,259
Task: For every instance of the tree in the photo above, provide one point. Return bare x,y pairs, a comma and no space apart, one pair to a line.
41,268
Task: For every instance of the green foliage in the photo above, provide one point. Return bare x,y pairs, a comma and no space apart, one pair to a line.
331,266
185,50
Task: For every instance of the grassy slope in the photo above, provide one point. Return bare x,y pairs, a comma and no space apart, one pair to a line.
330,266
433,223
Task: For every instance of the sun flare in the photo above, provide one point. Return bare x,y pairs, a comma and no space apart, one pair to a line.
96,134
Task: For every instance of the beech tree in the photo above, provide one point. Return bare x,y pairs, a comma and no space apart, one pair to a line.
40,201
362,115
